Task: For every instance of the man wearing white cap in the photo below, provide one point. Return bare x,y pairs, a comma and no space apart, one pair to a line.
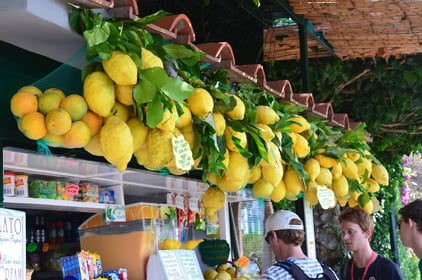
285,234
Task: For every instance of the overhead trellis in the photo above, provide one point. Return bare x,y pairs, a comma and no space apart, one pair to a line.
354,28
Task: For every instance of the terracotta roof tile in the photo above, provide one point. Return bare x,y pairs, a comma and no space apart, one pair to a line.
178,28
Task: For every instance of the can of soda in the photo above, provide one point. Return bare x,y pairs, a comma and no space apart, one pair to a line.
122,273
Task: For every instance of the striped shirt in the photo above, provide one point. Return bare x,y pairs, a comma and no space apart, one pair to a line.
311,267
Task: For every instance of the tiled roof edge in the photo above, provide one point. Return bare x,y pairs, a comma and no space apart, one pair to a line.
220,56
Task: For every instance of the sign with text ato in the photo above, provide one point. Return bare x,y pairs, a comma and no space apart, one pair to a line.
12,245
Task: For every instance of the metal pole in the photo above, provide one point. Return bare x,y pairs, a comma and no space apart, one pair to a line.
393,237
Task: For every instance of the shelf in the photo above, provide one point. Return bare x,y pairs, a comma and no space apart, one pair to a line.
52,204
132,186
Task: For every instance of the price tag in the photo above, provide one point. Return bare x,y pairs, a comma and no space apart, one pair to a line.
182,153
195,203
171,199
326,197
180,201
115,213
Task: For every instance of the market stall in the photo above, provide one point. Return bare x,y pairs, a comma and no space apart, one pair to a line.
155,128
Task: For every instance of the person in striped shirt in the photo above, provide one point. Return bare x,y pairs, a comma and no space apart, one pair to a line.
285,234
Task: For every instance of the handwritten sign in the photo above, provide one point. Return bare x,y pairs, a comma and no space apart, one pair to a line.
182,153
174,265
12,244
326,197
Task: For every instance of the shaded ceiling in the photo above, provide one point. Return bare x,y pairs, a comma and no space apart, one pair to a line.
354,28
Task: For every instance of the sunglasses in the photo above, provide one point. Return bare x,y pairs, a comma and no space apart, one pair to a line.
267,238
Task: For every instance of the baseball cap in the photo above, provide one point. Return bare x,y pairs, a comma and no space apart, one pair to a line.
281,220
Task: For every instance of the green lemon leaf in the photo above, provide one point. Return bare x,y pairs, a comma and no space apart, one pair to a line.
177,90
97,35
156,75
155,112
144,91
151,18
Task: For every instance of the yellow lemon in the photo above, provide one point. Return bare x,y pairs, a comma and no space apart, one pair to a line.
311,197
184,119
124,94
273,154
266,115
201,102
354,156
119,110
380,174
299,124
273,175
229,133
313,168
325,161
191,244
292,182
262,189
265,131
213,198
99,93
301,146
78,135
238,166
255,174
220,123
160,147
94,146
117,142
340,186
371,185
349,168
238,112
324,178
189,135
121,68
170,244
168,123
139,133
150,60
364,165
336,170
279,192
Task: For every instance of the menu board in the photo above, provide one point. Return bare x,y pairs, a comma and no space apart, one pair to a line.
174,265
12,244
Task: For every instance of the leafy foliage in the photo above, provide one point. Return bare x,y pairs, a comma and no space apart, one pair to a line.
385,95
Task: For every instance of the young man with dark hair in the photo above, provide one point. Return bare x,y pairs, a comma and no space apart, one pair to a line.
356,231
410,228
285,234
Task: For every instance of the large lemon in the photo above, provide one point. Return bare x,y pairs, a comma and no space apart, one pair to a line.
380,174
279,192
214,198
150,60
340,186
238,112
200,102
121,68
313,168
266,115
349,168
160,147
117,142
292,182
262,189
184,119
229,133
99,93
299,124
139,133
219,123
